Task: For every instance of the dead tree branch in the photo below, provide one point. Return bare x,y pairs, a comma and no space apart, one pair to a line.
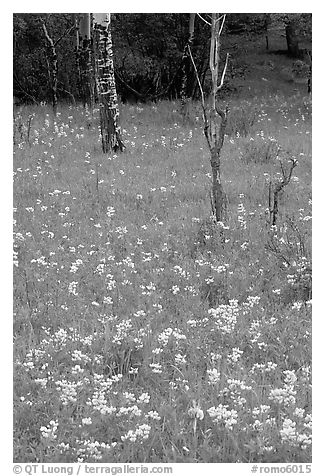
285,180
203,19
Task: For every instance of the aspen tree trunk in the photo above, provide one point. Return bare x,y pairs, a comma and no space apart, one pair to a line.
93,59
105,79
76,22
215,118
215,128
85,53
53,73
186,67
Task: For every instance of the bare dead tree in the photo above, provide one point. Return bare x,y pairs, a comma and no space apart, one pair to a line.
279,186
215,118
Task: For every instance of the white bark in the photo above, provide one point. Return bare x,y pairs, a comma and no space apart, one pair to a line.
109,110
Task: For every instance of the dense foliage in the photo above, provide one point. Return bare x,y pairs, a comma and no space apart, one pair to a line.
148,51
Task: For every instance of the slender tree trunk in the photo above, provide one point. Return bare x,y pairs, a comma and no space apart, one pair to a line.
53,73
218,196
93,59
84,58
85,49
215,118
186,68
109,110
203,75
215,129
202,71
310,72
267,22
76,22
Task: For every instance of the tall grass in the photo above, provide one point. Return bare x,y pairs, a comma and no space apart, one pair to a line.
145,332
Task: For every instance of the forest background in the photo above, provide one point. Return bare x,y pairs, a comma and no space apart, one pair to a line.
148,52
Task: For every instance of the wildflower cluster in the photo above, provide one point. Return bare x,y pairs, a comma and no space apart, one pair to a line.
145,331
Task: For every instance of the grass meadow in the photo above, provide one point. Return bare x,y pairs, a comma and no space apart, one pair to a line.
144,331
